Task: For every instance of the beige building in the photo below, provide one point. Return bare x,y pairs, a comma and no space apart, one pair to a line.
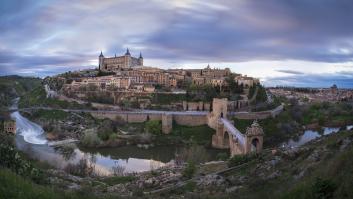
246,81
10,126
118,63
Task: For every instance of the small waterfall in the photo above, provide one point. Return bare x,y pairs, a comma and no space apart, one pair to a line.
31,132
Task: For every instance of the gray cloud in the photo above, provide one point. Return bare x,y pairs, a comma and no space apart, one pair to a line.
313,80
293,72
51,35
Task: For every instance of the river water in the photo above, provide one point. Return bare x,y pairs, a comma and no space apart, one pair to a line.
30,139
309,135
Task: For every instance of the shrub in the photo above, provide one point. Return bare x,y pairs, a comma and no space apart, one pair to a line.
189,170
153,127
112,136
323,189
241,159
82,168
222,156
10,158
90,139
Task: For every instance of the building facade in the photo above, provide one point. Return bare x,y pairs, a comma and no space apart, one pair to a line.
111,64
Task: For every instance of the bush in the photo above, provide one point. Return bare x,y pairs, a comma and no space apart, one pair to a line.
241,159
10,158
153,127
190,170
90,139
323,189
105,135
222,156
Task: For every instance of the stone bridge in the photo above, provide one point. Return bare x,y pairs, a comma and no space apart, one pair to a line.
228,136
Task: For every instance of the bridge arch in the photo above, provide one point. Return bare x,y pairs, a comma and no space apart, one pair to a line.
255,145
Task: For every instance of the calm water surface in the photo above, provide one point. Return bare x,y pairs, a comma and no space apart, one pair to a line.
310,135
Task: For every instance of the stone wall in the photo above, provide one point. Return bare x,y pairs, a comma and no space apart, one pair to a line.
219,109
187,120
190,120
259,115
167,123
196,106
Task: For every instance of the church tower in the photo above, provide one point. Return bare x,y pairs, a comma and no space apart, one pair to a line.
140,60
101,61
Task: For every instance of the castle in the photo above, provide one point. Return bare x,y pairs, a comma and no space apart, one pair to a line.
118,63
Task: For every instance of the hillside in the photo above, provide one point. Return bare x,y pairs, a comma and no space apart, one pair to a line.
15,86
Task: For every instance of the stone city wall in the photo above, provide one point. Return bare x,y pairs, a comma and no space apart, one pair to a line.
196,106
187,120
190,120
259,115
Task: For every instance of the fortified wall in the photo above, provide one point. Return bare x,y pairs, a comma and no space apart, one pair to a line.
167,118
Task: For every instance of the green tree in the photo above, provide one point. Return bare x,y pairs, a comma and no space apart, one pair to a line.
153,127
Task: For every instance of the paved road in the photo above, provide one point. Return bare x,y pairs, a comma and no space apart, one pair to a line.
232,130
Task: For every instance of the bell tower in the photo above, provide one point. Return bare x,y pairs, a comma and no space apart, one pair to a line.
140,60
101,61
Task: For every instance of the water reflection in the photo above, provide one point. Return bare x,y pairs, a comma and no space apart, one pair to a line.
310,135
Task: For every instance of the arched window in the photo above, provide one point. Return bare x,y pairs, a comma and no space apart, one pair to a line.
254,145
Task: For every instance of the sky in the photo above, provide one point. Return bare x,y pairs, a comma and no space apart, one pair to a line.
306,43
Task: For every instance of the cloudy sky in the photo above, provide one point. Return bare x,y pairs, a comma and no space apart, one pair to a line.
283,42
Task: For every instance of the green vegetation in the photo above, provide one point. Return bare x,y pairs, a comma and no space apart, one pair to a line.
153,127
10,158
261,93
15,86
162,98
16,187
37,98
241,159
118,179
189,170
204,93
50,114
90,139
328,113
194,134
337,171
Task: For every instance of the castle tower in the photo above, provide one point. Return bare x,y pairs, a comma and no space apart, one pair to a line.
101,61
140,60
127,52
127,58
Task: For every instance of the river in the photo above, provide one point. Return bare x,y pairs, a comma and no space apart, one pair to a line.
309,135
31,140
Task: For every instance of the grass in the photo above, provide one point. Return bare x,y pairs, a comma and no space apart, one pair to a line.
37,97
51,114
161,98
198,134
16,187
118,180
